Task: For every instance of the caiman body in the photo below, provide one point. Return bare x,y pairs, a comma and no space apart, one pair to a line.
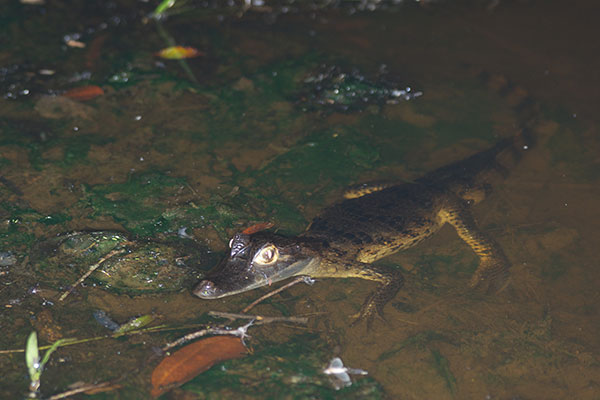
374,222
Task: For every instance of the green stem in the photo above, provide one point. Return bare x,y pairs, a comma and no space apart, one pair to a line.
72,341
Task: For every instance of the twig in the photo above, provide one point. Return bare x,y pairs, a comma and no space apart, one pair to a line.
90,389
240,332
91,269
260,320
306,279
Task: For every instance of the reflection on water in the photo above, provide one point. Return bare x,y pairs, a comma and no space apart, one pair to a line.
155,154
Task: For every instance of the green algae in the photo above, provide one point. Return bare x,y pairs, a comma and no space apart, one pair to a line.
124,266
421,340
138,204
442,366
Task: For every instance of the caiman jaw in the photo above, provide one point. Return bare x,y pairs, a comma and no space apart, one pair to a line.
254,261
207,290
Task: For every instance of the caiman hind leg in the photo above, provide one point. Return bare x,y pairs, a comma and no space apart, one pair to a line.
492,273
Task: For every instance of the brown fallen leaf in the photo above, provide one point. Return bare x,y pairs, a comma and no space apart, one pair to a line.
84,92
192,360
257,228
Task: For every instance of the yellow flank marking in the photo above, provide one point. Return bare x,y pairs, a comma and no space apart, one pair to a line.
365,189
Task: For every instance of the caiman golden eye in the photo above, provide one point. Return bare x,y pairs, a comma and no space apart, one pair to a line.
267,255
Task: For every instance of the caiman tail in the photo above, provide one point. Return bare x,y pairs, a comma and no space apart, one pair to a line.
469,177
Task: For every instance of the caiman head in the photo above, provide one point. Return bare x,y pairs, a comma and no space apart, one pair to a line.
257,260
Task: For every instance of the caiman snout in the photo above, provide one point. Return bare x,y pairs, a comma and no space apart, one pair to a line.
205,289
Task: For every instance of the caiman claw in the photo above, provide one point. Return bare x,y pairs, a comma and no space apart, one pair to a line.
374,304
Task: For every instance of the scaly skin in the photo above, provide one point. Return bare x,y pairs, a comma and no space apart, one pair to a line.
346,238
377,220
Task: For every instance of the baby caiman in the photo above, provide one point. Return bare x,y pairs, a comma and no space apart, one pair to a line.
374,221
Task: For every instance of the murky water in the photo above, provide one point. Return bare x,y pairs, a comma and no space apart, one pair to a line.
236,136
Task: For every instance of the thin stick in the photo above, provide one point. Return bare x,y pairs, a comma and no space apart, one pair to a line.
91,269
72,341
260,320
239,332
299,279
94,388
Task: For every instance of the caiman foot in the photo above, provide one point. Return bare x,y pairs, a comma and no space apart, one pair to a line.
375,303
491,276
367,312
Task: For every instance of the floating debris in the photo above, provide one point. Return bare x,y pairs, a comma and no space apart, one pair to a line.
103,319
179,52
84,93
182,233
7,259
351,91
340,375
134,323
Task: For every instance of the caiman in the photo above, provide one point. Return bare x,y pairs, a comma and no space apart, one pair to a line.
374,221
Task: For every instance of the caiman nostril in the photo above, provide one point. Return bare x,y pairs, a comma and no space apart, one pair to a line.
205,289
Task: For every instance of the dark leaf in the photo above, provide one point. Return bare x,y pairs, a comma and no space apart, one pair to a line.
192,360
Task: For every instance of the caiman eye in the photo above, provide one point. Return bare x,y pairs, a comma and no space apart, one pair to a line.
267,255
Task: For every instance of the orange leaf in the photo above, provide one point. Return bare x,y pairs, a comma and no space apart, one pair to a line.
178,52
192,360
257,228
84,92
